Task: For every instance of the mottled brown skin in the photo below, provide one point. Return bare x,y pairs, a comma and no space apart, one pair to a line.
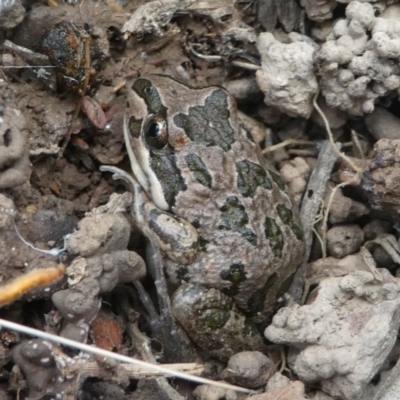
215,177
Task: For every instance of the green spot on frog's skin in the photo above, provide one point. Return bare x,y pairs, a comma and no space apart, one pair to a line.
278,180
209,124
250,176
145,90
135,126
195,223
235,274
255,304
231,291
203,243
163,163
199,169
181,273
234,217
274,234
214,319
286,215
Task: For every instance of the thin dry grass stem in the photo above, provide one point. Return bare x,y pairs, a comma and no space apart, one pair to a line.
357,146
119,86
319,218
25,66
287,143
330,136
317,235
246,65
283,362
340,154
347,144
303,153
119,357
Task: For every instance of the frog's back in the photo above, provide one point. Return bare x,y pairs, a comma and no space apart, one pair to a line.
192,156
249,227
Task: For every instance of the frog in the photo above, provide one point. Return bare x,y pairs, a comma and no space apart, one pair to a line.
224,220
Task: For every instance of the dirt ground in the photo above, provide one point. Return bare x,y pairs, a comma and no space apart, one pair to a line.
61,119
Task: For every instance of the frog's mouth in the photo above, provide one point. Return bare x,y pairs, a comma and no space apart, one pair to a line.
141,170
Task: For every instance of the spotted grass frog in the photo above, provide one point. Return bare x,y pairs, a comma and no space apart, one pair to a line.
223,218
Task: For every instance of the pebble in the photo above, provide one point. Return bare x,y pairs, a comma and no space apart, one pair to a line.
382,124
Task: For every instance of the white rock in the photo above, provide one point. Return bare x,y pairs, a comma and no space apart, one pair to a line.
287,73
344,336
366,51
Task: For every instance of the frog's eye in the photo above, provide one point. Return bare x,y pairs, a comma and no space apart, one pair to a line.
156,132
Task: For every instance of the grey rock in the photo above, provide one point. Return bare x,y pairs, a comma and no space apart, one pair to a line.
382,124
11,13
287,73
250,369
343,240
345,335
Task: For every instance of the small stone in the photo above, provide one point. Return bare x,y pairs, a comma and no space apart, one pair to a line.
287,74
295,173
250,369
208,392
277,381
380,177
336,344
11,14
375,228
343,240
344,209
383,259
382,124
37,363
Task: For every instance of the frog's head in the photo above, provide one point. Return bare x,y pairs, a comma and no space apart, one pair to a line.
164,122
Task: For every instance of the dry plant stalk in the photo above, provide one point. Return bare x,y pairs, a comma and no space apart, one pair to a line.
340,154
287,143
119,357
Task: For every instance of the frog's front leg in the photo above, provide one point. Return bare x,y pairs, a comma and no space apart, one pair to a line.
151,222
175,237
210,318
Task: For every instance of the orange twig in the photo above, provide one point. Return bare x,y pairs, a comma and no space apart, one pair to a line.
38,277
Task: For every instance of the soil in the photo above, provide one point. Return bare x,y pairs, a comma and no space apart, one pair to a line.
64,124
